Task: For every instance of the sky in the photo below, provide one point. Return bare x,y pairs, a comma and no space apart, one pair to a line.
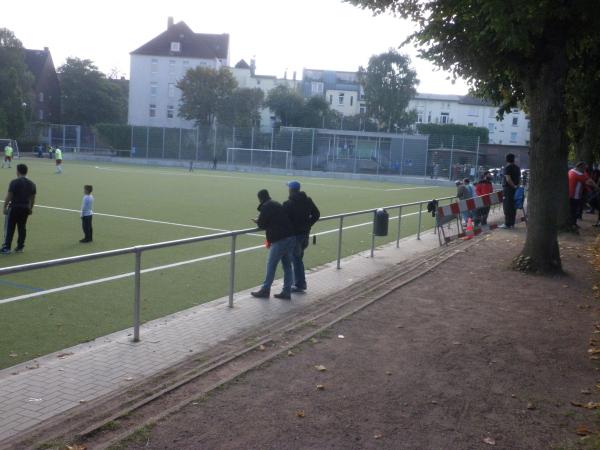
283,35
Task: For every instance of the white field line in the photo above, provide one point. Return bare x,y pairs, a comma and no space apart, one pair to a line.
167,266
139,219
305,183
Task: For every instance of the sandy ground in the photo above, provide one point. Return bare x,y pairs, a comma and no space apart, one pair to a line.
469,356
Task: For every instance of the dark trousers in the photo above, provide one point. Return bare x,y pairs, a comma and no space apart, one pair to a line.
510,212
16,219
86,224
574,208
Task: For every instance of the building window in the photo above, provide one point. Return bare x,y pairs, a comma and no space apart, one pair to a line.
41,114
170,112
363,109
527,142
175,46
515,110
492,113
316,87
341,98
171,90
491,127
185,66
154,66
420,114
41,97
429,117
470,124
153,88
513,138
528,125
445,118
352,100
473,112
171,66
331,99
152,112
515,121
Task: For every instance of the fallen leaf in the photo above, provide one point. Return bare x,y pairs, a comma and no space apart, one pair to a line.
582,430
63,355
489,441
313,340
76,447
387,372
340,336
128,378
513,395
321,368
13,355
34,400
586,391
300,413
594,288
530,406
290,353
262,348
377,436
320,387
455,343
593,351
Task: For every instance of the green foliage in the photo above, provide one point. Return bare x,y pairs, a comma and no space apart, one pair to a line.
389,83
88,97
205,92
286,104
454,130
16,83
242,108
117,136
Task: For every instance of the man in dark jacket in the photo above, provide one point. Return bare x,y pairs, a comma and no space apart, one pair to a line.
512,179
18,206
303,214
273,219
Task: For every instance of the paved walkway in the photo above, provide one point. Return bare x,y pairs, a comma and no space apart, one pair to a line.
35,391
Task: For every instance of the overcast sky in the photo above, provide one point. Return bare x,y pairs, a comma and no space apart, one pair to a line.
281,34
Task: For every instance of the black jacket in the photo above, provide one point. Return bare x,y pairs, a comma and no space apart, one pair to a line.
302,212
273,219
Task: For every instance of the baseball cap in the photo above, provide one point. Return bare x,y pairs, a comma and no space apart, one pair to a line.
294,185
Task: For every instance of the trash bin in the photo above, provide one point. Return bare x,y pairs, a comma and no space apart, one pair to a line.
380,223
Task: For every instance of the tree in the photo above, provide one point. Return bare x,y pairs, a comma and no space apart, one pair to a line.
88,96
16,83
242,108
204,92
389,83
286,104
514,52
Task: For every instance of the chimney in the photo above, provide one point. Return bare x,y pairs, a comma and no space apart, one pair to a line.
294,76
253,66
46,49
169,22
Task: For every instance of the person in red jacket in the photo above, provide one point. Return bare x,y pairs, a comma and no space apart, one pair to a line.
484,187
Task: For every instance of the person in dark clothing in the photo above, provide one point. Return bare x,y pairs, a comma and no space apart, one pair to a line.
18,206
303,214
512,178
274,220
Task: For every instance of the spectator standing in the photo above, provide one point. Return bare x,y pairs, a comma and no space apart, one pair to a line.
512,179
578,180
484,187
274,220
18,206
58,159
465,191
8,154
87,213
303,214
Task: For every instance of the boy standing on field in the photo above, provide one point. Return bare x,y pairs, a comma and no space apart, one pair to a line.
87,213
58,159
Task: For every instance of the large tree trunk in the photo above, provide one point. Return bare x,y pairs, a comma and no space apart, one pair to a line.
548,164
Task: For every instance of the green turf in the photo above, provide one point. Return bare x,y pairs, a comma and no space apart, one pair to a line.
221,200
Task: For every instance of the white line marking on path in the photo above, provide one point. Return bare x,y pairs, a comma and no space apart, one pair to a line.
305,183
167,266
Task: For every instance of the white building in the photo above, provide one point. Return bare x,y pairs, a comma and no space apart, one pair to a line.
341,89
465,110
158,65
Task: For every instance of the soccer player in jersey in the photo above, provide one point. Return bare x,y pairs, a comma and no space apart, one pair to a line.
8,154
58,158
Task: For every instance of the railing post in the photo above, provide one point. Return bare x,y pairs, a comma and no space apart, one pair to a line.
339,250
420,214
373,234
232,271
399,222
137,296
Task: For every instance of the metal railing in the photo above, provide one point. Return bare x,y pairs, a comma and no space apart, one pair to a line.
138,250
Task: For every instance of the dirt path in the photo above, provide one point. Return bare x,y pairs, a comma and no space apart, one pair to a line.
470,356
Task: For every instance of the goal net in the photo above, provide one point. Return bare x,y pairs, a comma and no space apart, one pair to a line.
256,157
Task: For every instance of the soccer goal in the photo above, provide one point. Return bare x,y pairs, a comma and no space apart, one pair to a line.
257,157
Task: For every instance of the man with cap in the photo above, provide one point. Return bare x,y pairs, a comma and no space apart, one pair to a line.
303,214
280,240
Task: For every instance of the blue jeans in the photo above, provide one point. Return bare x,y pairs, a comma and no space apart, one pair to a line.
280,251
299,246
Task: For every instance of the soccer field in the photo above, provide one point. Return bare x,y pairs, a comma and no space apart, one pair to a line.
140,205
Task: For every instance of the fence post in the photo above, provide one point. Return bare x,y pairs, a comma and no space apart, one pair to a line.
272,136
179,154
420,214
232,271
137,296
147,141
426,156
373,235
64,137
292,149
355,152
163,144
197,141
477,161
451,160
312,150
339,249
399,222
377,150
233,137
215,142
252,137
